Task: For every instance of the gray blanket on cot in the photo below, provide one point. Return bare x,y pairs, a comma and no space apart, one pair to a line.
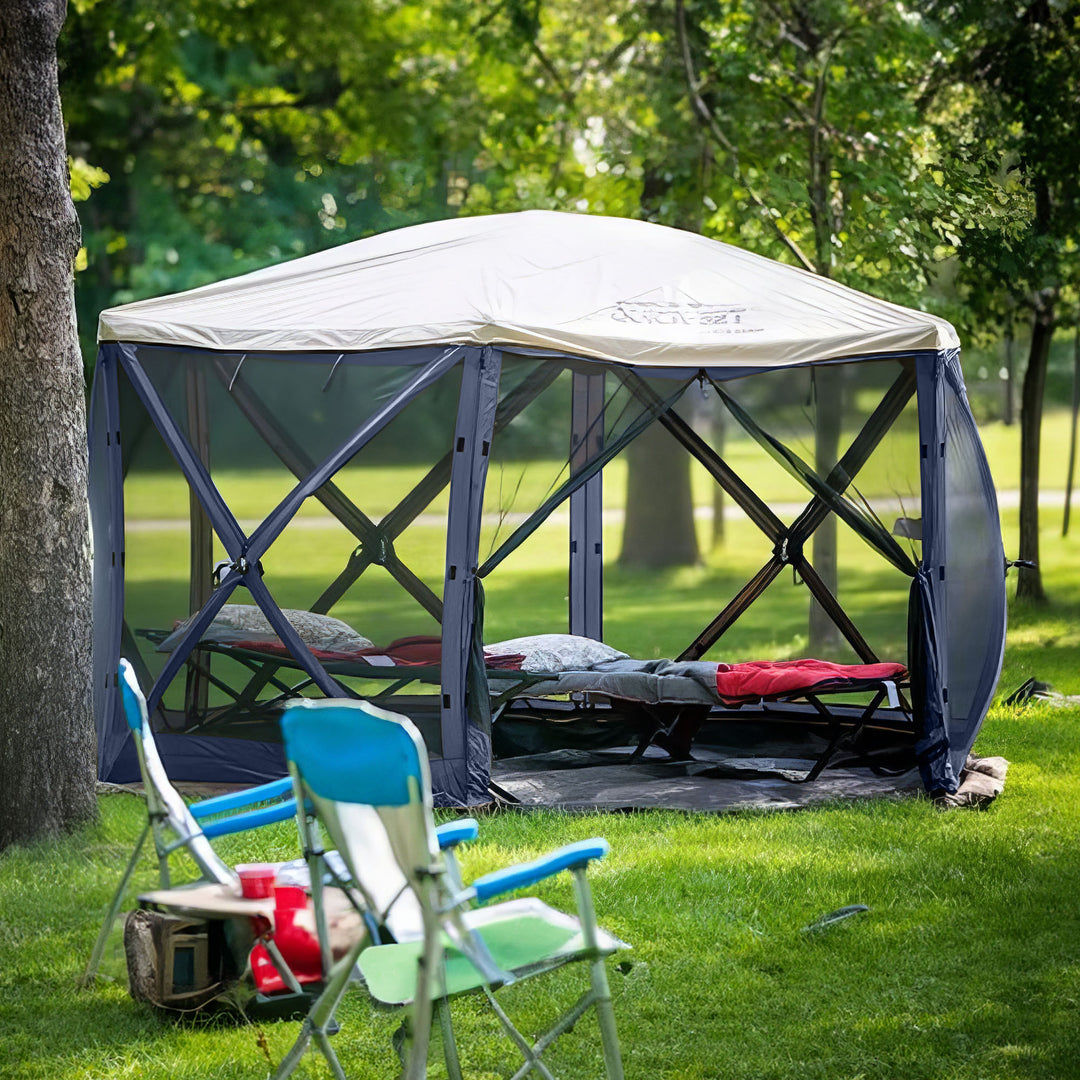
654,682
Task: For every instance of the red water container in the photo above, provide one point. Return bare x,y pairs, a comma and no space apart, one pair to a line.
295,937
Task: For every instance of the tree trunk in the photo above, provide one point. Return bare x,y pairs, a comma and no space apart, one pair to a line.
659,527
1029,585
825,636
47,758
719,525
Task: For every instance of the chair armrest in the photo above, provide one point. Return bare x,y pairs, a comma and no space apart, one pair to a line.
237,800
570,857
250,819
456,832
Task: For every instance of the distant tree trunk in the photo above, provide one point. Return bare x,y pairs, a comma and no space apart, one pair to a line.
659,527
1029,585
829,412
824,635
47,759
719,525
1074,417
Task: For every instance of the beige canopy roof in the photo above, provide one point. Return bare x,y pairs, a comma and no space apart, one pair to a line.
607,288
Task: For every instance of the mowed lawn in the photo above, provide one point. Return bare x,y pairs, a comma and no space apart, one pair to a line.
966,965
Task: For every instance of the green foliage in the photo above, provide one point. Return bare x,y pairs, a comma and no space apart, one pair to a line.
874,139
233,135
84,178
1010,128
822,104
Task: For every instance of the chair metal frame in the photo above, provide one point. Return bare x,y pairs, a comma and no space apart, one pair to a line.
364,774
176,826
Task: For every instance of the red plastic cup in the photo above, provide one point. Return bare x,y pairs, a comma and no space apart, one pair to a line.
256,880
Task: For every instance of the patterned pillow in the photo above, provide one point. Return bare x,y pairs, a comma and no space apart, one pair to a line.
556,652
317,631
246,622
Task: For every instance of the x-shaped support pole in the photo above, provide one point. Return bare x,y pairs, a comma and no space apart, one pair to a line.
246,551
371,536
438,476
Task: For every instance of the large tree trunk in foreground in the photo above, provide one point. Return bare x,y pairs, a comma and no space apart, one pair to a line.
47,760
1029,585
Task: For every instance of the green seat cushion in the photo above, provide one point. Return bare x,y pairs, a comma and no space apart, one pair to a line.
514,943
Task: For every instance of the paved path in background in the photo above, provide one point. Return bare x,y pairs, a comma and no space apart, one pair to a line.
1007,500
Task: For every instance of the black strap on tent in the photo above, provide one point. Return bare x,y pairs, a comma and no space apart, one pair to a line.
565,490
436,478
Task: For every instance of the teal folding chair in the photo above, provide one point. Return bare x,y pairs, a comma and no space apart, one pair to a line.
364,774
176,826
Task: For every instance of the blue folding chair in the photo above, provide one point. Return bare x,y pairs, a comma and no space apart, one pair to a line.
176,826
364,773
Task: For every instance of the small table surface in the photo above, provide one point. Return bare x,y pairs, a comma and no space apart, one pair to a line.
210,900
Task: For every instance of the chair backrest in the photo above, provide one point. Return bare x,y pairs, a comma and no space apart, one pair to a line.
163,801
365,772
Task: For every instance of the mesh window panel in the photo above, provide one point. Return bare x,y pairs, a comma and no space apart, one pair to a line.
528,463
537,455
855,427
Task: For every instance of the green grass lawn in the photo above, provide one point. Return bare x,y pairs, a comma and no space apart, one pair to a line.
965,967
967,964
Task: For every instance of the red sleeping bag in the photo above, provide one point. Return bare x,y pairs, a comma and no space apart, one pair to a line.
739,683
420,651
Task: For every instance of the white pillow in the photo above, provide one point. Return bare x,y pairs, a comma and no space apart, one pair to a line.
556,652
238,622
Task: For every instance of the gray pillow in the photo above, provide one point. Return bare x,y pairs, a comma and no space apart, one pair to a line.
556,652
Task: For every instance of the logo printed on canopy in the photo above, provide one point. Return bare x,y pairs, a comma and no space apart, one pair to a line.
661,307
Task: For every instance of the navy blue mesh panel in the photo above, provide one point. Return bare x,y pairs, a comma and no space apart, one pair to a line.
974,575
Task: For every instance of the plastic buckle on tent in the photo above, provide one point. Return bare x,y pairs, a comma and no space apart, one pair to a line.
1020,564
224,568
381,551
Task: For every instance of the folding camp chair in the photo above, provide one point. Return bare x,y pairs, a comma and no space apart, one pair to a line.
364,772
176,826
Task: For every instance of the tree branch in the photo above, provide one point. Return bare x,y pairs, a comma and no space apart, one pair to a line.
708,121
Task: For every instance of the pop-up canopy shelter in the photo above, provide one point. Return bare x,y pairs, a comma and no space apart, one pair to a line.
382,470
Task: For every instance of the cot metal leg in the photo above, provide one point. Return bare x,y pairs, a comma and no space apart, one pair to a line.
114,908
